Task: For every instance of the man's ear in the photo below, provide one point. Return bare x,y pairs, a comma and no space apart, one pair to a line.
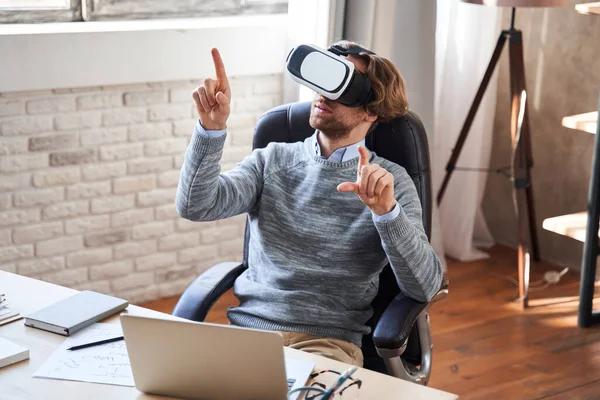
370,117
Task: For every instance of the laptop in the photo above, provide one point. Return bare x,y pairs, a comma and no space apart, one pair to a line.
196,360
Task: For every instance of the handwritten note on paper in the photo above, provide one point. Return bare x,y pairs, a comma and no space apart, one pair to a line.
106,363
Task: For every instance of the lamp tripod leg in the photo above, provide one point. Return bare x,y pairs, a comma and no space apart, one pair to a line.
522,164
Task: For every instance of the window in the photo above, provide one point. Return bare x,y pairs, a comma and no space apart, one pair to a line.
34,4
17,11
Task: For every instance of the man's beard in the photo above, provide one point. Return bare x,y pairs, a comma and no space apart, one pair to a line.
331,128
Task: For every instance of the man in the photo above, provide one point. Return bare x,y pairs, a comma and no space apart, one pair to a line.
325,215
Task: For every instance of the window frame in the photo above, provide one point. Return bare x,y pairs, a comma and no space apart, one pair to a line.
103,10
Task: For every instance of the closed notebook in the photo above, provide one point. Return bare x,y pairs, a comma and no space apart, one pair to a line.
75,313
11,353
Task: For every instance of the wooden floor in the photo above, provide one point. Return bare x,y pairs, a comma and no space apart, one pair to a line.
487,347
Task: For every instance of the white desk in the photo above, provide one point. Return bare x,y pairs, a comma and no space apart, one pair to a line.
27,295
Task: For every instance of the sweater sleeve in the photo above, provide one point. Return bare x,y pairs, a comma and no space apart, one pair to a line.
417,268
204,194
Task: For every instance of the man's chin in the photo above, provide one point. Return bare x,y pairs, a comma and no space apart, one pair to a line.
316,121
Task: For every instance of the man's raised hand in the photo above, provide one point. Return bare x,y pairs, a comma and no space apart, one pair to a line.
374,185
213,97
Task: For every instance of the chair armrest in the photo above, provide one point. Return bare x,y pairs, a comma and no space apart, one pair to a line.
199,297
394,326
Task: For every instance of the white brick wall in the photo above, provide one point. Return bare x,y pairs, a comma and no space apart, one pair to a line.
88,190
66,210
34,233
153,230
24,162
40,265
108,170
57,177
81,120
11,107
5,237
87,224
107,220
99,101
134,184
95,137
13,146
11,182
5,201
25,125
39,197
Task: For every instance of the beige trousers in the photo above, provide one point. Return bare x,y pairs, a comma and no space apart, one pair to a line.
336,349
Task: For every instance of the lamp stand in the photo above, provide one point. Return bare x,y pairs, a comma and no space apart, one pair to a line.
522,151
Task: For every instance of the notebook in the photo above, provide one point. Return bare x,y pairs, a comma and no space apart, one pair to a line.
75,313
6,314
11,353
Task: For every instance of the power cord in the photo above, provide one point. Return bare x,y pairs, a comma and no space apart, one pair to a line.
550,278
554,276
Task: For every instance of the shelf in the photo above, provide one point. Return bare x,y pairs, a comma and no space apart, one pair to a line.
588,8
571,225
587,122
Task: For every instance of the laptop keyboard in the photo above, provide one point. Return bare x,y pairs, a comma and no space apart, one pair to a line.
291,382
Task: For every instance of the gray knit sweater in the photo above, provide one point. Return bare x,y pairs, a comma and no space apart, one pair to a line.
314,254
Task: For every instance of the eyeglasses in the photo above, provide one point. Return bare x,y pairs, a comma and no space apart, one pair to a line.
352,387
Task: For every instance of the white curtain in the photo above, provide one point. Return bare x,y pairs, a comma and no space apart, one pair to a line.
466,35
319,22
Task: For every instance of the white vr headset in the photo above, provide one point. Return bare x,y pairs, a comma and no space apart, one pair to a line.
330,74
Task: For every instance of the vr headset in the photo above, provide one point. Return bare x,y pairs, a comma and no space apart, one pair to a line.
330,74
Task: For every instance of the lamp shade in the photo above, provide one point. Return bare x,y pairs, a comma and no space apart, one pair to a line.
520,3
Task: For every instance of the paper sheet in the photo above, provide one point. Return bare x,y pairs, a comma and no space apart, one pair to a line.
107,363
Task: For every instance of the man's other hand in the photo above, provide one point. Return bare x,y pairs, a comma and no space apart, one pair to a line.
374,185
213,98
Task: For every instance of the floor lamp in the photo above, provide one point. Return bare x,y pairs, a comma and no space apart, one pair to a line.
522,160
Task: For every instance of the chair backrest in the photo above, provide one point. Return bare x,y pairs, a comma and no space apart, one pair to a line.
402,141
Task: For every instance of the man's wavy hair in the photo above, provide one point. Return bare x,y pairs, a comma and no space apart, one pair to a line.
388,100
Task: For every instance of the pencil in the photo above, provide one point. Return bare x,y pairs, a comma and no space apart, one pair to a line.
83,346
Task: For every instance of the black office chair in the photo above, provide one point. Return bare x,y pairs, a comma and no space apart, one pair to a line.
400,342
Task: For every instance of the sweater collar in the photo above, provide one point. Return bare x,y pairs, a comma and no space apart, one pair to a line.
340,155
